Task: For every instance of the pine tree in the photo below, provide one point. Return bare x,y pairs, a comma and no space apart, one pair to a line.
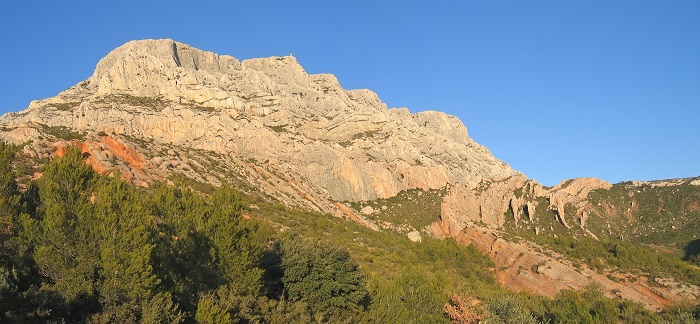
10,201
322,275
64,247
10,198
125,235
238,242
183,257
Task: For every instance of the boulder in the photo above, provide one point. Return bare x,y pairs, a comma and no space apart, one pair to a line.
414,236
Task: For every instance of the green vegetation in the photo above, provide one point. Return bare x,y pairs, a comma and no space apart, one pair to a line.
692,252
79,247
668,216
614,255
204,108
370,134
415,208
278,128
62,132
322,275
65,106
569,306
153,103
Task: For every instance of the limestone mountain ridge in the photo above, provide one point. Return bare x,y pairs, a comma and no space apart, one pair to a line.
342,144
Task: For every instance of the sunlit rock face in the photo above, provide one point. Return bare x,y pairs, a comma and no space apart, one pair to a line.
344,145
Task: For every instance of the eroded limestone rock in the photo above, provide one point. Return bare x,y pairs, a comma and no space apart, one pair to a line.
345,144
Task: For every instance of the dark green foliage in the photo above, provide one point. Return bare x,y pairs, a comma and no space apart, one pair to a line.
391,262
9,195
125,233
64,246
321,275
184,257
591,306
636,313
10,206
692,252
161,309
601,308
98,249
11,258
682,314
209,311
570,307
239,243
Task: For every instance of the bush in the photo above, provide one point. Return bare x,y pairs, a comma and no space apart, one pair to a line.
323,276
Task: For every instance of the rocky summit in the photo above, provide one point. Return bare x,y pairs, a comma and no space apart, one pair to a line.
304,136
155,110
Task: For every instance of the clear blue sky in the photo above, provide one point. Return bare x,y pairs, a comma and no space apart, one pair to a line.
557,89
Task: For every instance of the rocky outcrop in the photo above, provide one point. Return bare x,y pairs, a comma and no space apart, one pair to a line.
481,217
414,236
487,204
345,145
574,192
528,267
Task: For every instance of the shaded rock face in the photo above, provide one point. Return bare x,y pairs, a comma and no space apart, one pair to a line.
344,145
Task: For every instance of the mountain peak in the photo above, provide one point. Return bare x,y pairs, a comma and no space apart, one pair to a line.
156,68
344,145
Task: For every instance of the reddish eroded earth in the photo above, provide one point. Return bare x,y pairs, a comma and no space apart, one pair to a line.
109,154
525,266
123,151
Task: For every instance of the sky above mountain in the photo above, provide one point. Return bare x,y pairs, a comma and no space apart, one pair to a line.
557,89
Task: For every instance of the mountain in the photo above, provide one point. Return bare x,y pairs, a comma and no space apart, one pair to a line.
162,111
300,138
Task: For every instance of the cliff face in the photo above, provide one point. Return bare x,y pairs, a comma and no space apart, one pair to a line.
343,145
300,138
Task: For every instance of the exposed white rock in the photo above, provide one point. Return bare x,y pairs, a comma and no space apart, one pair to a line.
414,236
345,144
367,210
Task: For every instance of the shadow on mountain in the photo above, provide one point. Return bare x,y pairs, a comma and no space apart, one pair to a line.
692,252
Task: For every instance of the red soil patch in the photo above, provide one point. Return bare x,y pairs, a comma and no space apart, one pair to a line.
350,215
123,152
644,290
